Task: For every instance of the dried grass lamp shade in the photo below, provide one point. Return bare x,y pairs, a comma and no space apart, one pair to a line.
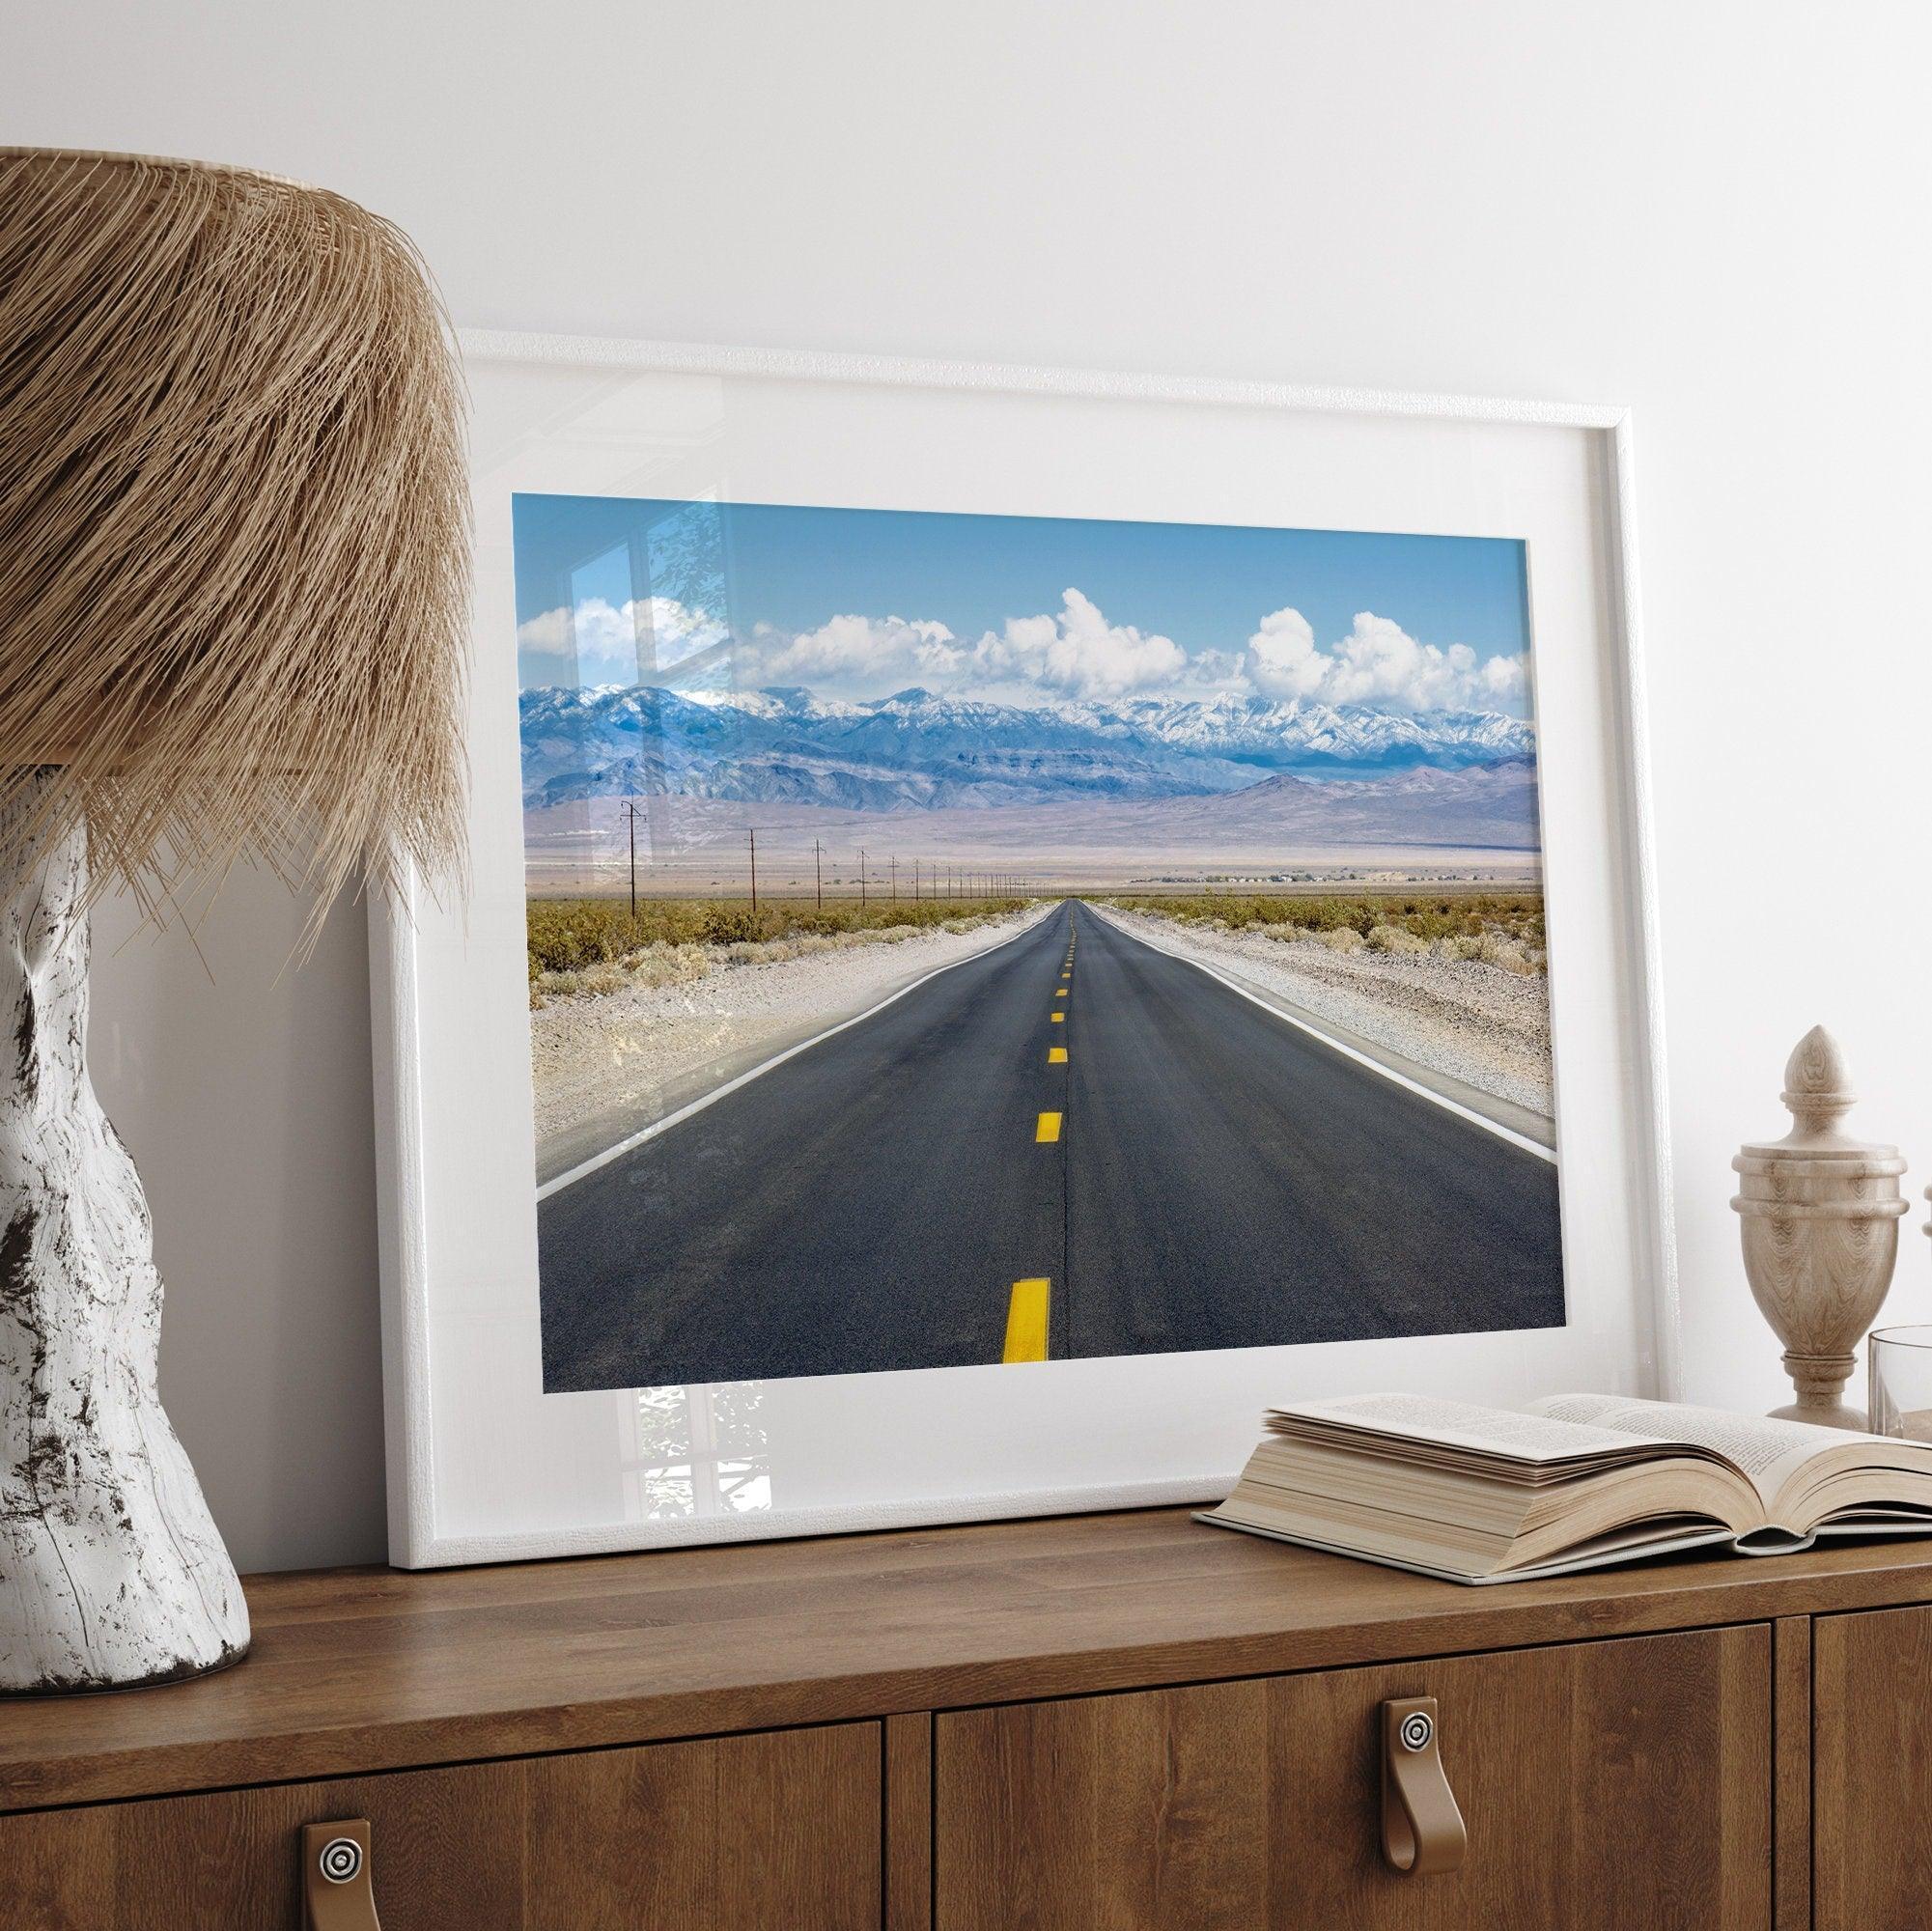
233,579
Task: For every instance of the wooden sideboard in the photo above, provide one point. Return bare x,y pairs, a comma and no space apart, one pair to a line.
1117,1721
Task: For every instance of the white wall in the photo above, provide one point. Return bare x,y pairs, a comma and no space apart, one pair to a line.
1715,211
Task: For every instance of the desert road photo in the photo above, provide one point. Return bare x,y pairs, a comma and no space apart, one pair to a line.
1033,1155
963,941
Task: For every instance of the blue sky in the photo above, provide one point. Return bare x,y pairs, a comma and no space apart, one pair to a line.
859,603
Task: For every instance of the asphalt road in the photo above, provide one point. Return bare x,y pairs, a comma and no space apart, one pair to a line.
893,1198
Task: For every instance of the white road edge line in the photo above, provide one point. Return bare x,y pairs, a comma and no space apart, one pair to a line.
1443,1100
697,1105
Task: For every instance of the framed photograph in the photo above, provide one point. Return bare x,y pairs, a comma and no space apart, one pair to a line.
1017,918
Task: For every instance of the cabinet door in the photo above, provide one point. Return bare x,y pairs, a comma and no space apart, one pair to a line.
1871,1771
765,1833
1604,1784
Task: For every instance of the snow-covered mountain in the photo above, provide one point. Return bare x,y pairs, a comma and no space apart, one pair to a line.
921,751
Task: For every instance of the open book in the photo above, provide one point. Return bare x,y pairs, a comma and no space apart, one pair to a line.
1491,1494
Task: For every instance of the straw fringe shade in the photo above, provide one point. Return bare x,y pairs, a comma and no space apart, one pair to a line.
234,517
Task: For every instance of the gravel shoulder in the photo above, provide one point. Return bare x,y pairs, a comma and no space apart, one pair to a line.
609,1064
1478,1032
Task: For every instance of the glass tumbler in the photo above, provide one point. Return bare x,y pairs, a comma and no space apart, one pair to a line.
1901,1382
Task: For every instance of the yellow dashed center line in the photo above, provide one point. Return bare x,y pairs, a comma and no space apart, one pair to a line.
1026,1321
1026,1308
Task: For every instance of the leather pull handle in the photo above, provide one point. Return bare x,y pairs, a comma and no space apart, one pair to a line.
336,1889
1422,1829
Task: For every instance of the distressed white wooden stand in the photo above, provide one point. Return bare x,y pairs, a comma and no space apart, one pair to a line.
111,1570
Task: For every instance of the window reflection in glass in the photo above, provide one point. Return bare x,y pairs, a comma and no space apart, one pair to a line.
697,1452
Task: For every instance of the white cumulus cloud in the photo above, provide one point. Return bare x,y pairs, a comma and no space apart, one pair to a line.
1079,652
1074,652
616,643
853,651
1377,663
1282,660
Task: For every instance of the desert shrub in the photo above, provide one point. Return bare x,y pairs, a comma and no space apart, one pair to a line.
1503,952
570,936
728,922
1502,928
1395,939
1343,938
564,936
667,964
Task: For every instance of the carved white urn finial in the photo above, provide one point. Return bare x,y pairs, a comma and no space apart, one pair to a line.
1820,1213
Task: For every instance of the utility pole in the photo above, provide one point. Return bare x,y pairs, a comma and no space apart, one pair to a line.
754,873
630,815
894,864
818,875
915,881
862,877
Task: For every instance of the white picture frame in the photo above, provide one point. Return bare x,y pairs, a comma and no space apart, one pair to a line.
485,1467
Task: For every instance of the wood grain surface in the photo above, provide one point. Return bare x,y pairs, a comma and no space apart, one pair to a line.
1620,1784
1871,1771
760,1834
1791,1758
358,1671
908,1822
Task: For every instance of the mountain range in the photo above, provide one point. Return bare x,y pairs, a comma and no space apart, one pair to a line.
919,752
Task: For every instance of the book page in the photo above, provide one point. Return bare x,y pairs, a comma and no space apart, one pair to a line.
1765,1451
1508,1432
